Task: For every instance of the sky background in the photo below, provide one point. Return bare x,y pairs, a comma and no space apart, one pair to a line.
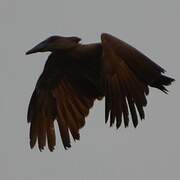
149,152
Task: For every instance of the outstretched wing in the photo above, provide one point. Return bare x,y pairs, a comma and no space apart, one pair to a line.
127,74
57,98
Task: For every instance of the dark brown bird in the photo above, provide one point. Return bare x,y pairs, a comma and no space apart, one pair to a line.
76,74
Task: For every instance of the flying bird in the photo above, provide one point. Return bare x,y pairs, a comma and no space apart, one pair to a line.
76,74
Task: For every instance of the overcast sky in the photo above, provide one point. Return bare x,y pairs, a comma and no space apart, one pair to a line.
149,152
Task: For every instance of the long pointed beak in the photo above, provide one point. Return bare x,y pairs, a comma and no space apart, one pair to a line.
38,48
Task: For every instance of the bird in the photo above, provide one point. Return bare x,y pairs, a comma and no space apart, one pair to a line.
75,75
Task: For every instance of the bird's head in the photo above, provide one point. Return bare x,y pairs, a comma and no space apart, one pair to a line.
55,43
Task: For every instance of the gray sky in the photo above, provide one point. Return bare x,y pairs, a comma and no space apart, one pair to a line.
149,152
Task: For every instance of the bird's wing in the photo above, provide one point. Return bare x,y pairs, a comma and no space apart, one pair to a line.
63,103
127,74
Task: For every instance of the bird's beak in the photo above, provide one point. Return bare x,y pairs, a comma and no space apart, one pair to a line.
41,47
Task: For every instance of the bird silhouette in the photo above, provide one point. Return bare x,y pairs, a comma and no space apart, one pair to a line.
75,75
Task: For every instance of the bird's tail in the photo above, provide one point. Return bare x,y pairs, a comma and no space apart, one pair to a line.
161,82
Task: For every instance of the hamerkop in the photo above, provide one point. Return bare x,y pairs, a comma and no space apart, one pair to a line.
76,74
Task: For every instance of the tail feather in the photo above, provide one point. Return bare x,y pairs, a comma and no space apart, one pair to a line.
161,82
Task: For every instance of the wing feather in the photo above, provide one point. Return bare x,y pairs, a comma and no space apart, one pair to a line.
33,132
61,118
143,67
64,104
124,91
67,113
51,137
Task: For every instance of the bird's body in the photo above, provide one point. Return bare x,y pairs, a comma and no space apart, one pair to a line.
76,65
75,75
